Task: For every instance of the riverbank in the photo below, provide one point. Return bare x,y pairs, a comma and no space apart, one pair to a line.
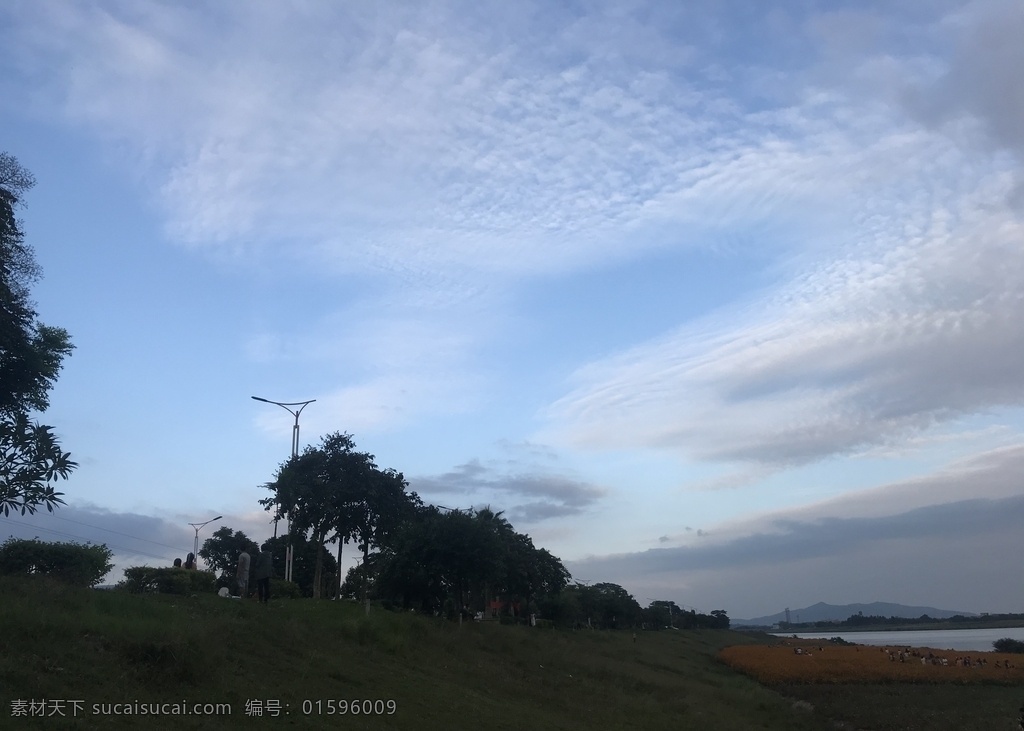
901,627
968,640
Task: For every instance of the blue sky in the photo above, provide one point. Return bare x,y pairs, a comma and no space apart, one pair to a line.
718,302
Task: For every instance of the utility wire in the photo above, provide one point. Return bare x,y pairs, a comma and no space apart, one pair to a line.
126,535
70,535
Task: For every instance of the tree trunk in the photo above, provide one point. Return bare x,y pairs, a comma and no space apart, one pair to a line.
340,544
366,574
317,577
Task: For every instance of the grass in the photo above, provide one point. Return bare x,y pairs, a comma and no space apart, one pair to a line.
826,663
104,648
107,647
899,706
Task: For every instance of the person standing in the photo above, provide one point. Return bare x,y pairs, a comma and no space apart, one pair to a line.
242,576
263,570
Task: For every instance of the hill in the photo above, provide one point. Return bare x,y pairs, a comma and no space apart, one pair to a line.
822,612
123,656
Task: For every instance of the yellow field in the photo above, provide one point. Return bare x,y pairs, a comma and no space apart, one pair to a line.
799,661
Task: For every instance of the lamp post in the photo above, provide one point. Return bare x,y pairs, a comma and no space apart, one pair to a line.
295,453
197,526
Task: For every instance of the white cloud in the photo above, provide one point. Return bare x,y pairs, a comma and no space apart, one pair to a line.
400,360
415,149
452,154
911,318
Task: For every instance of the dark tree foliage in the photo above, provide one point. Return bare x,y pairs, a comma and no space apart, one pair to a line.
30,461
31,354
599,606
221,551
146,579
693,619
304,558
413,556
661,614
332,492
1008,644
74,563
461,558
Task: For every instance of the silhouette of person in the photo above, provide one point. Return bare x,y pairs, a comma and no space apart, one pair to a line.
263,570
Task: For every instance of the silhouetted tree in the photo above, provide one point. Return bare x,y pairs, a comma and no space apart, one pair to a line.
461,557
332,492
221,551
304,559
31,354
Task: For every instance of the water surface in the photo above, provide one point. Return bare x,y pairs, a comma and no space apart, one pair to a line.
975,640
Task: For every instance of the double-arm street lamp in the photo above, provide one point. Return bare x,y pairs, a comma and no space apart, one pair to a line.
197,526
295,453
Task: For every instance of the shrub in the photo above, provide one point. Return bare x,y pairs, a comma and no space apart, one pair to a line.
75,563
145,579
282,589
1008,644
840,641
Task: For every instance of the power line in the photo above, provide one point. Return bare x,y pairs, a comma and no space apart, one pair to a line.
70,535
109,530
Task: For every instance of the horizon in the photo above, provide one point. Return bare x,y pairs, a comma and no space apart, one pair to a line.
719,304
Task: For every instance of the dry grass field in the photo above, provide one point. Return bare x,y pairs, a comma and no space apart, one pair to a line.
811,662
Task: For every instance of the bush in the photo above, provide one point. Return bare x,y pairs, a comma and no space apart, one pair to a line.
282,589
1008,644
840,641
145,579
75,563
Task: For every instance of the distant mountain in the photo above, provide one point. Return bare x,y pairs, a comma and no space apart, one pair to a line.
822,612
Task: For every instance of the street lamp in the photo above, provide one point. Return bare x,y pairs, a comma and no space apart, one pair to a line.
197,526
295,453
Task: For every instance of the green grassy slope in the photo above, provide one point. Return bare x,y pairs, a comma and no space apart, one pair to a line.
108,647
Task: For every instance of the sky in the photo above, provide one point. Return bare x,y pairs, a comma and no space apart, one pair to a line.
718,301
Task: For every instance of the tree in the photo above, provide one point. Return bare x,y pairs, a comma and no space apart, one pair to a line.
304,558
692,619
1008,644
661,613
458,558
31,354
75,563
605,605
320,492
334,493
615,606
221,550
531,572
720,620
30,460
384,504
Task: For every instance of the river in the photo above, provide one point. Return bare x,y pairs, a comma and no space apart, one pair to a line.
974,640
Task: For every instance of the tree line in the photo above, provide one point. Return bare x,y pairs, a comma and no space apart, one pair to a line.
425,558
860,620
